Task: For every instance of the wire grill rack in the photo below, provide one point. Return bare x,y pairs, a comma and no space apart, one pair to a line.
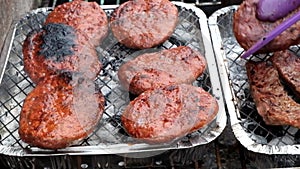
247,124
109,137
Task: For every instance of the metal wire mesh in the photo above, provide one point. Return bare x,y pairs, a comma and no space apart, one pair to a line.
16,84
251,122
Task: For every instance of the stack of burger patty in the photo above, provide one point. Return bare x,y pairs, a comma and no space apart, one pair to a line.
60,58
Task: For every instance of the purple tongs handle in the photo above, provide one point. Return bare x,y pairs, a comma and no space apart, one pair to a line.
271,35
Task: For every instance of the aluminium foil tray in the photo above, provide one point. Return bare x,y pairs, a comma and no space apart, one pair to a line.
109,137
247,125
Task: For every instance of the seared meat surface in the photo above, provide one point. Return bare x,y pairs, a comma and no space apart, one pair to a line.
152,70
87,18
56,49
248,29
34,64
272,101
60,112
61,59
142,24
288,66
165,114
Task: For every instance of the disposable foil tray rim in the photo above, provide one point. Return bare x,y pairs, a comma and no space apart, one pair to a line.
221,118
230,98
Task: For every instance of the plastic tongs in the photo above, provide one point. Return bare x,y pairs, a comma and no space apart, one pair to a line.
271,35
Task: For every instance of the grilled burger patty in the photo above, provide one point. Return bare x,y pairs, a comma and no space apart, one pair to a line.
62,60
87,18
142,24
59,112
248,29
164,114
288,66
152,70
272,101
55,49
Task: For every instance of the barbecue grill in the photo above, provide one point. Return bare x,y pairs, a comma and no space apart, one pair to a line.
206,148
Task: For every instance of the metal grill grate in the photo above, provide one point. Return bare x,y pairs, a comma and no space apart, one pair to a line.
16,85
246,113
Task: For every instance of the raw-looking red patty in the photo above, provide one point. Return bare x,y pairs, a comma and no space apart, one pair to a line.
87,18
141,24
165,114
58,112
248,29
153,70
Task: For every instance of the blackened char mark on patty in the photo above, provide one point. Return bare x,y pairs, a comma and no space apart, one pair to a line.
163,115
87,18
170,66
248,29
58,42
55,49
34,64
142,24
288,65
65,52
272,101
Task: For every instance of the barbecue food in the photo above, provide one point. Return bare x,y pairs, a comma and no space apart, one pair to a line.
56,49
248,29
62,60
141,24
59,112
272,101
87,18
153,70
288,66
34,64
165,114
